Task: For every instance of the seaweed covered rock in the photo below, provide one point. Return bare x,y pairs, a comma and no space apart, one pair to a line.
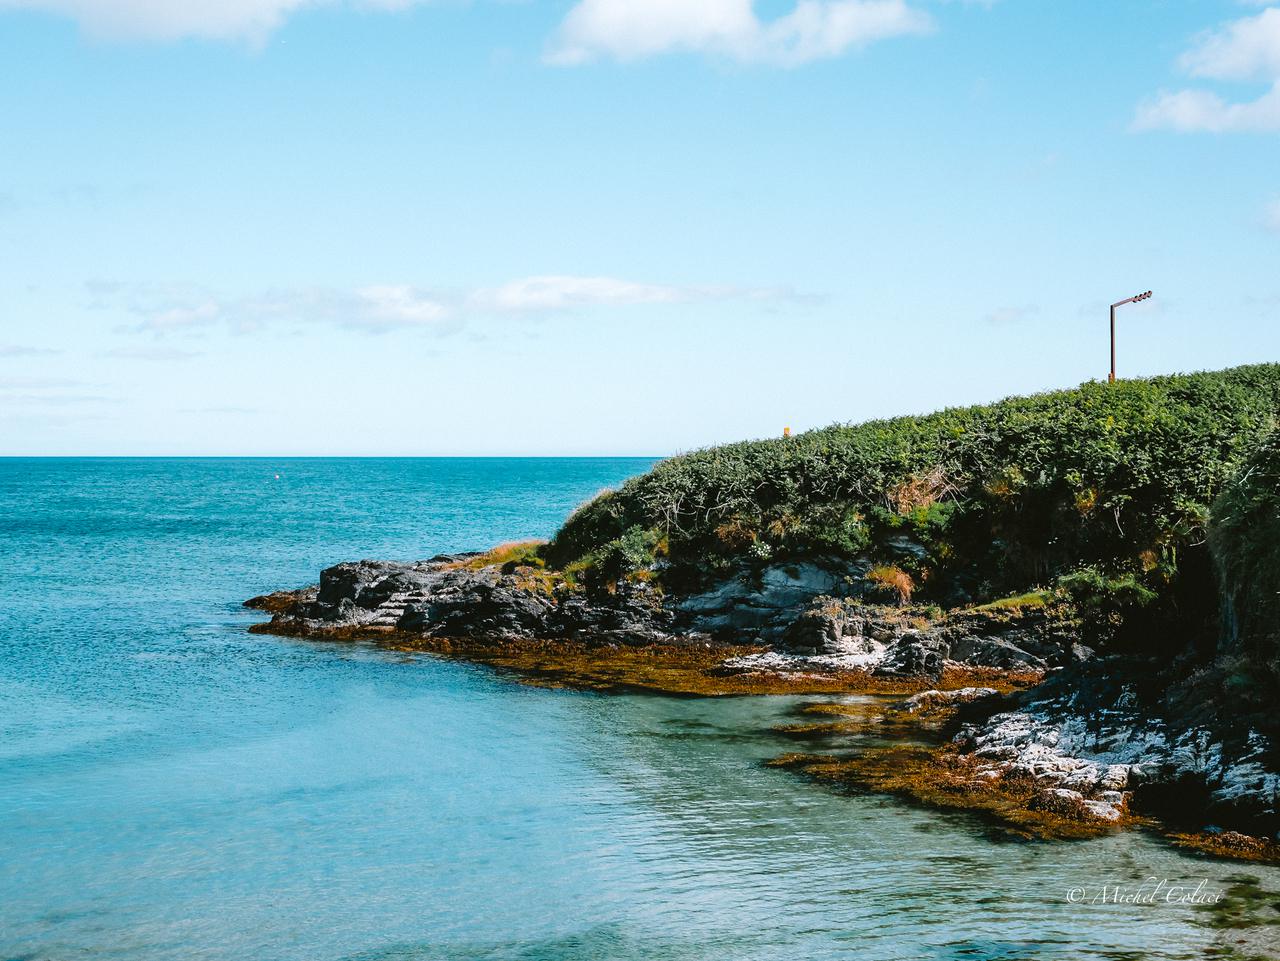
916,654
1112,725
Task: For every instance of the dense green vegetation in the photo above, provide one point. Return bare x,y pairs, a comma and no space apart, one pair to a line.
1245,537
1101,492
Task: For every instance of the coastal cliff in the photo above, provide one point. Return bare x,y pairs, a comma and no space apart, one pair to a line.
1079,588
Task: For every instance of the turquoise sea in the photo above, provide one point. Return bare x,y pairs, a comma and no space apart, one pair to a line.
172,787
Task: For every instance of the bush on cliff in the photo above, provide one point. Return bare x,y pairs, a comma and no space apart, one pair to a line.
1112,481
1245,538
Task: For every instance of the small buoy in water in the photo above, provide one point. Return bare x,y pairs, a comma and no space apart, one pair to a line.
277,476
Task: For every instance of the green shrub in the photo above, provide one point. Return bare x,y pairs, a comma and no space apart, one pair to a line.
626,556
1106,603
1245,539
974,503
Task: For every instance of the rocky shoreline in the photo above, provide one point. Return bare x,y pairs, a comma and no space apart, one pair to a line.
806,614
1036,730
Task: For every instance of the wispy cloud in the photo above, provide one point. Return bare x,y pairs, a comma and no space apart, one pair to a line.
247,20
157,354
49,392
38,383
1010,316
172,308
1247,49
561,292
627,30
59,400
22,350
384,307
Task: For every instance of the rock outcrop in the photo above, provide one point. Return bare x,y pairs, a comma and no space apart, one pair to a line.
447,596
807,614
1100,729
763,603
908,642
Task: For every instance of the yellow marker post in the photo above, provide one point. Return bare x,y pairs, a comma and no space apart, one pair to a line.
786,432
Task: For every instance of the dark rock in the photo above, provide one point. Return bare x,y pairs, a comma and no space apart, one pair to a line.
810,608
839,626
483,603
453,558
902,545
819,630
282,602
632,615
995,652
444,597
346,581
914,655
761,604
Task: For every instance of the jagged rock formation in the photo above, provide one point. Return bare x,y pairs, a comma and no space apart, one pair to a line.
446,597
788,608
1112,714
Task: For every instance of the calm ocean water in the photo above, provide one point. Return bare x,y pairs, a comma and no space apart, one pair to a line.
173,787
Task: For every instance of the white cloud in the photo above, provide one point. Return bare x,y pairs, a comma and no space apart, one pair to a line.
1246,49
1242,50
251,20
179,315
380,308
618,29
376,308
812,30
1189,111
396,306
563,293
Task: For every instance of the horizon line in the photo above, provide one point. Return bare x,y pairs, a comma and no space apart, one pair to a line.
4,457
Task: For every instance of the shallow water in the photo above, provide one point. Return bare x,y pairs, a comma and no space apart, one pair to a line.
173,787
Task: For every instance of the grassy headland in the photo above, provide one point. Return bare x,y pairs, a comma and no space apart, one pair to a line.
1099,495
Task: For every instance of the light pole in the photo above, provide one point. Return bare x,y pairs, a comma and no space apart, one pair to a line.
1120,303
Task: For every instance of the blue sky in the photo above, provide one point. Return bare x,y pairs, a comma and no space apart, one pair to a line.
613,226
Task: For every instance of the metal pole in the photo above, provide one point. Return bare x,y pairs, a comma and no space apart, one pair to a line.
1120,303
1112,378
